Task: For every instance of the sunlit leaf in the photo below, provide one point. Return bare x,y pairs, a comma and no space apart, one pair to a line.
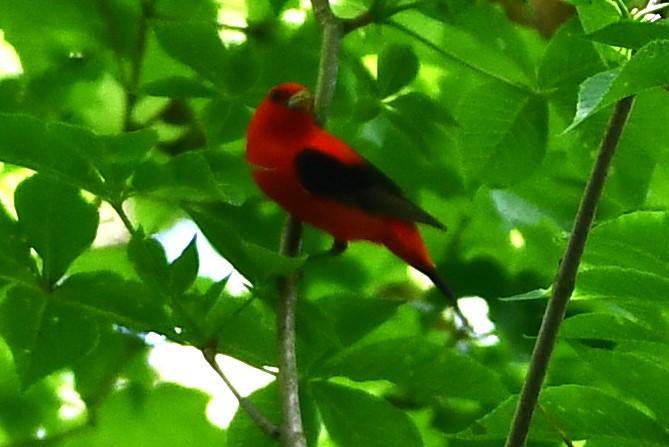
354,417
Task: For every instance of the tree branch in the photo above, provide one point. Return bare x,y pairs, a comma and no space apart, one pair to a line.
333,32
292,432
566,277
209,354
334,29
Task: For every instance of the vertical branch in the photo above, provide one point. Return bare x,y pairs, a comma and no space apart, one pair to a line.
329,61
566,277
292,432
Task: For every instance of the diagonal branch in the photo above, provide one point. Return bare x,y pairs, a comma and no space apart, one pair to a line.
209,354
566,277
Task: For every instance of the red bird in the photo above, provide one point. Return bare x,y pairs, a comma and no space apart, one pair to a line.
322,181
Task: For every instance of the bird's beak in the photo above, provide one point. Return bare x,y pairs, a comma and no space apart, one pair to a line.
301,100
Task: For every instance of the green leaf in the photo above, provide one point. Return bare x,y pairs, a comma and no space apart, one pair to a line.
419,366
513,123
225,120
120,155
148,257
397,66
244,432
420,109
195,44
253,261
422,118
635,240
113,350
136,417
455,44
16,264
622,285
567,62
634,376
43,335
28,142
245,328
56,221
233,69
606,326
598,14
121,301
354,316
647,68
630,33
242,69
179,87
354,417
591,94
582,412
532,295
612,441
186,177
183,271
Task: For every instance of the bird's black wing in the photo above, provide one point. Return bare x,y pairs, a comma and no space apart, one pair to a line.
360,186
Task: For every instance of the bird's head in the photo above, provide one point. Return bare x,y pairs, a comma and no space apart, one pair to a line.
287,108
291,96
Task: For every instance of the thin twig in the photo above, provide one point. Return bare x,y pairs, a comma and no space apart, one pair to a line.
124,218
132,83
566,277
209,354
333,32
553,423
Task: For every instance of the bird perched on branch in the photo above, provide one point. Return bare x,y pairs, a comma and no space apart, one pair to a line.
322,181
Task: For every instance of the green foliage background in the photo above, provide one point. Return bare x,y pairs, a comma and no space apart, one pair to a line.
140,106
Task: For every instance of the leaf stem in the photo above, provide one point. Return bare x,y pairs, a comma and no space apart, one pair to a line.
132,83
118,207
565,278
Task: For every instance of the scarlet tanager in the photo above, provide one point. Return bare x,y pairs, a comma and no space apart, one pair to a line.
322,181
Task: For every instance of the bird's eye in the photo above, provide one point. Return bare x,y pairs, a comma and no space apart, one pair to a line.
278,96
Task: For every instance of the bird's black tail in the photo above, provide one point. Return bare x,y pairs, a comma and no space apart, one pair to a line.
441,284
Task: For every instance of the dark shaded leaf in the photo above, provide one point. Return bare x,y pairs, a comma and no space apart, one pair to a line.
26,141
183,270
43,335
632,34
397,66
178,87
490,143
56,221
